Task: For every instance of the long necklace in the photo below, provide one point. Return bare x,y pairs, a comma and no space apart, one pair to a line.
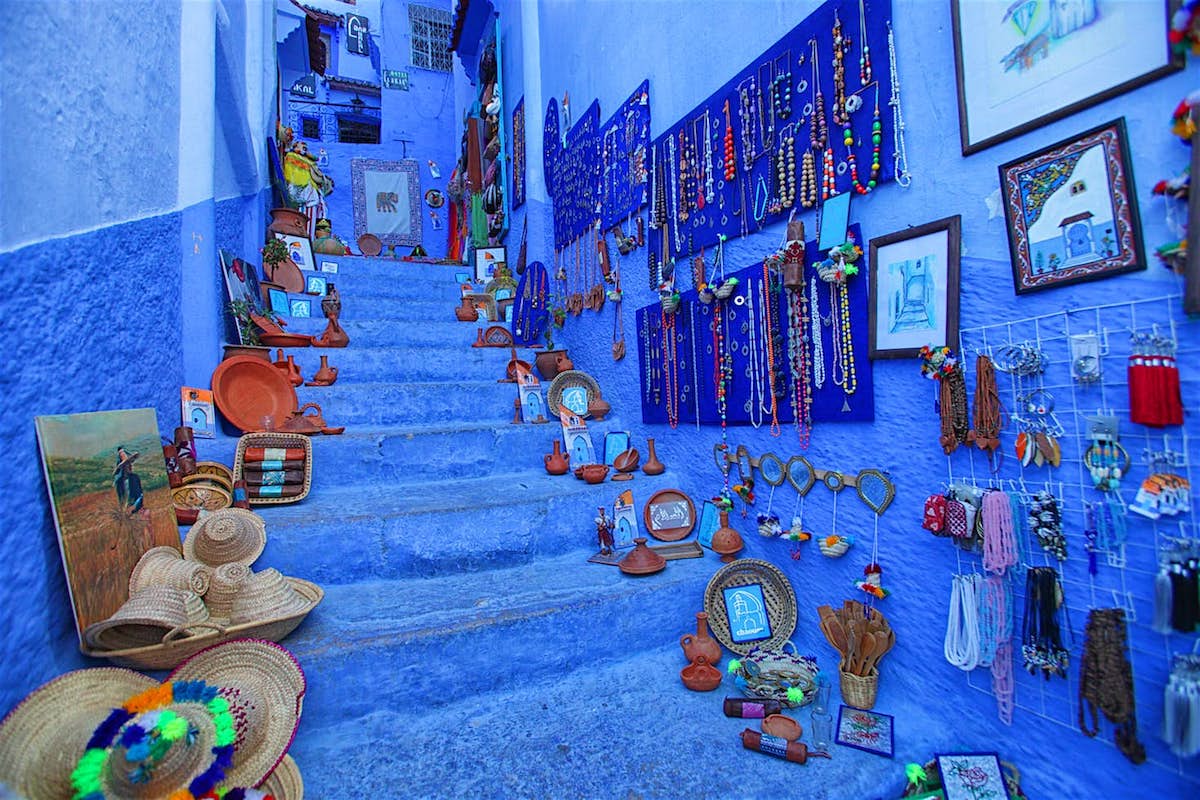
840,45
670,363
819,134
864,60
876,138
695,385
746,115
708,160
647,355
798,354
730,159
766,124
671,162
655,364
843,342
818,345
781,87
698,168
899,151
785,165
723,374
808,180
767,307
681,207
753,362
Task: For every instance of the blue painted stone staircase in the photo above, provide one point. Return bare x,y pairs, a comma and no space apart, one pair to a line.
465,647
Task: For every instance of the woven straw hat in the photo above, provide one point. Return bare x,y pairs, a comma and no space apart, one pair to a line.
285,782
265,688
43,738
226,536
145,618
165,566
226,585
267,595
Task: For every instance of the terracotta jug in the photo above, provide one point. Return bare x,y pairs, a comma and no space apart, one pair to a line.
293,372
326,375
466,312
557,463
652,466
701,644
726,540
280,360
563,361
547,361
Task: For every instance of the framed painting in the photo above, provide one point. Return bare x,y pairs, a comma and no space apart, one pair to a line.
241,285
196,411
387,200
865,730
710,520
279,302
1072,211
299,250
329,266
615,443
487,260
971,776
913,289
1021,65
316,284
747,612
108,487
300,308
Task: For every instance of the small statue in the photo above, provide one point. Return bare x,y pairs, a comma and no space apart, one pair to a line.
604,532
333,335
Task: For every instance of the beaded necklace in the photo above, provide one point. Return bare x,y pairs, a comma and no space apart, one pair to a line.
695,384
766,124
730,159
864,60
753,362
708,160
760,201
818,132
675,234
746,115
767,305
670,365
785,165
647,355
818,345
798,358
699,167
683,206
808,180
723,375
876,138
841,44
781,87
899,151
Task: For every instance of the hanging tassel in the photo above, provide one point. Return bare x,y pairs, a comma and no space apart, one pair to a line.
1162,602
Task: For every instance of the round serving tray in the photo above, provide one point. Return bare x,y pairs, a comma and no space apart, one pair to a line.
369,244
247,389
567,379
667,532
778,599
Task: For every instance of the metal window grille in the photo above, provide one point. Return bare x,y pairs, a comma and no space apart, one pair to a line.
357,132
431,29
310,127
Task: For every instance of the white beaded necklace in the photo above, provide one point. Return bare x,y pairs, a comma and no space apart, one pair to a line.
755,363
818,347
899,151
708,161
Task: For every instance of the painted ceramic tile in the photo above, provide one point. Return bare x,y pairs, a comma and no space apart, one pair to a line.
971,776
865,730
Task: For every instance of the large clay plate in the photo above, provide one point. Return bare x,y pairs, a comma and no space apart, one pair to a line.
369,244
779,601
669,515
246,389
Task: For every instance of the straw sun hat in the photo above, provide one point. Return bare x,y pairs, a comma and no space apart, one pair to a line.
225,717
230,535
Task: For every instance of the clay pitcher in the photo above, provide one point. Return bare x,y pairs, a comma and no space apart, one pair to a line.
652,466
557,462
280,361
466,312
701,644
293,372
326,375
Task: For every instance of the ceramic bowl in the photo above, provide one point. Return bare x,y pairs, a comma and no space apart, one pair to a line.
781,726
594,473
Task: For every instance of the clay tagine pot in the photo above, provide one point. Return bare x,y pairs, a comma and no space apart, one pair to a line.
642,560
701,644
783,727
700,676
625,464
598,408
652,466
595,473
726,540
557,462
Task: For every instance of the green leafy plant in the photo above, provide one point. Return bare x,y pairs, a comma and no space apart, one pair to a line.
242,311
274,251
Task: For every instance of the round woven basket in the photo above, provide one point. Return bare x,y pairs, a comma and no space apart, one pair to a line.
230,535
145,618
778,597
859,690
214,468
227,583
266,595
285,782
835,550
209,497
770,673
165,566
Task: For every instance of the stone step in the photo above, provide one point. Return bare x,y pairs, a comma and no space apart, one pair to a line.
383,404
382,332
376,529
429,642
365,364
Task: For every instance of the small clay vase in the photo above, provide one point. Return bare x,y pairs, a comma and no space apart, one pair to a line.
726,540
293,372
326,375
280,361
557,462
466,312
700,676
642,560
701,644
652,466
595,473
598,408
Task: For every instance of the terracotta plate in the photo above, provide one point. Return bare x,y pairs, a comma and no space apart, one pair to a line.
669,515
246,389
285,339
369,244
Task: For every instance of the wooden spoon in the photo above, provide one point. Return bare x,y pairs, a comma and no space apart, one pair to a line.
866,651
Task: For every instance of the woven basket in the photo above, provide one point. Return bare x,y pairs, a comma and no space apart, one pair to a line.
227,583
145,618
266,595
175,646
208,479
778,596
214,468
165,566
770,673
275,440
835,550
285,782
859,690
208,497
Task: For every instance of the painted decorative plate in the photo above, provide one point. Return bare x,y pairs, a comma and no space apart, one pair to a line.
370,245
669,515
750,603
434,198
572,389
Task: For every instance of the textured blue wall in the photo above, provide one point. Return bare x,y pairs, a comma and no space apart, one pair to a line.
687,51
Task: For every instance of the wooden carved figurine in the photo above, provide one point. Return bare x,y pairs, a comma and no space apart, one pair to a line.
333,335
604,531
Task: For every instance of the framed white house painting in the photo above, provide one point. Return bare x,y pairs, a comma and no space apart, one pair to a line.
914,285
1024,63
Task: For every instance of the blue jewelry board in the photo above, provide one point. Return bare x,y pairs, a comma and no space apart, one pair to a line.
575,176
777,90
694,371
624,153
531,308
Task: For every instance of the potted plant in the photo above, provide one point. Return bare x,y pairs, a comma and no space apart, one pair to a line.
279,268
550,361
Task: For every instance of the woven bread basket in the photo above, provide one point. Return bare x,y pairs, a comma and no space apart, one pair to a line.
145,618
165,566
177,645
275,440
778,597
770,673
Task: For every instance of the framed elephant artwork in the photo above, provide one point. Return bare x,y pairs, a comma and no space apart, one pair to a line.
387,200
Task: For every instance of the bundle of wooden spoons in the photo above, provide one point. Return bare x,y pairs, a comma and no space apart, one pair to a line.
861,635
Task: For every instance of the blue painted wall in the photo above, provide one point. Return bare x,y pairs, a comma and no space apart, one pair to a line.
689,50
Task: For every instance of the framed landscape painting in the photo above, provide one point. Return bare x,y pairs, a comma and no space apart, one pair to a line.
108,486
1022,64
914,286
1072,211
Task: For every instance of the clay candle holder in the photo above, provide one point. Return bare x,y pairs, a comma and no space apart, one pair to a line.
700,676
